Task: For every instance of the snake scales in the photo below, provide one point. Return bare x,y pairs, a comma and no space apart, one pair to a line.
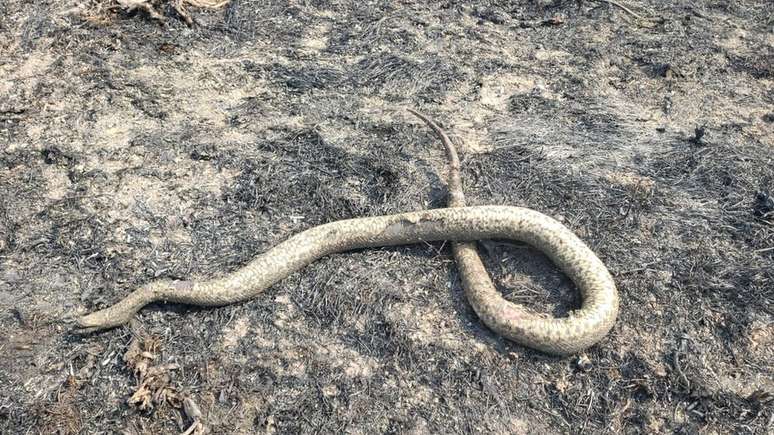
462,225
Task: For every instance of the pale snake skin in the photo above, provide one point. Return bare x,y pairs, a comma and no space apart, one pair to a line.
559,336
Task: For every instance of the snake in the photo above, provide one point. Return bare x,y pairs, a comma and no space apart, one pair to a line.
458,223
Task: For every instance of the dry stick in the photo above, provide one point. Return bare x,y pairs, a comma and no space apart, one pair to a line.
208,4
625,9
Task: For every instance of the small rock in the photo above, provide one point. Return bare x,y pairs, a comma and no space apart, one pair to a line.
584,363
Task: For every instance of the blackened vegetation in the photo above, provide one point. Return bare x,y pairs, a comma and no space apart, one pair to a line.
328,177
391,76
131,151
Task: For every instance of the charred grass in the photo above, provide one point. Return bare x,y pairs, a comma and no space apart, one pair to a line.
132,149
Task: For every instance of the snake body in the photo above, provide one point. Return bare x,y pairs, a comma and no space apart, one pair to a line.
459,224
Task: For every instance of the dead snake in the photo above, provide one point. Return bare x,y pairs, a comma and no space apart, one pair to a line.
462,225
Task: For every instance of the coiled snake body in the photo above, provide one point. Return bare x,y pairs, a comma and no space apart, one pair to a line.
461,225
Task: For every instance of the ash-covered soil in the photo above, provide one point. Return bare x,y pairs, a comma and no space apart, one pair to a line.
132,149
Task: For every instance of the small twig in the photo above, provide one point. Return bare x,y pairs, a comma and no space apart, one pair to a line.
624,8
681,348
645,267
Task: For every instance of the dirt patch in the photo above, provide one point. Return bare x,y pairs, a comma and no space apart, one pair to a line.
132,150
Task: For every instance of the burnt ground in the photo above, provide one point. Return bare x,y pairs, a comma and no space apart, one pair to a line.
132,150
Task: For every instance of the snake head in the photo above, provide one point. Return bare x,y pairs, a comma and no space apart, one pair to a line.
114,315
123,311
102,319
